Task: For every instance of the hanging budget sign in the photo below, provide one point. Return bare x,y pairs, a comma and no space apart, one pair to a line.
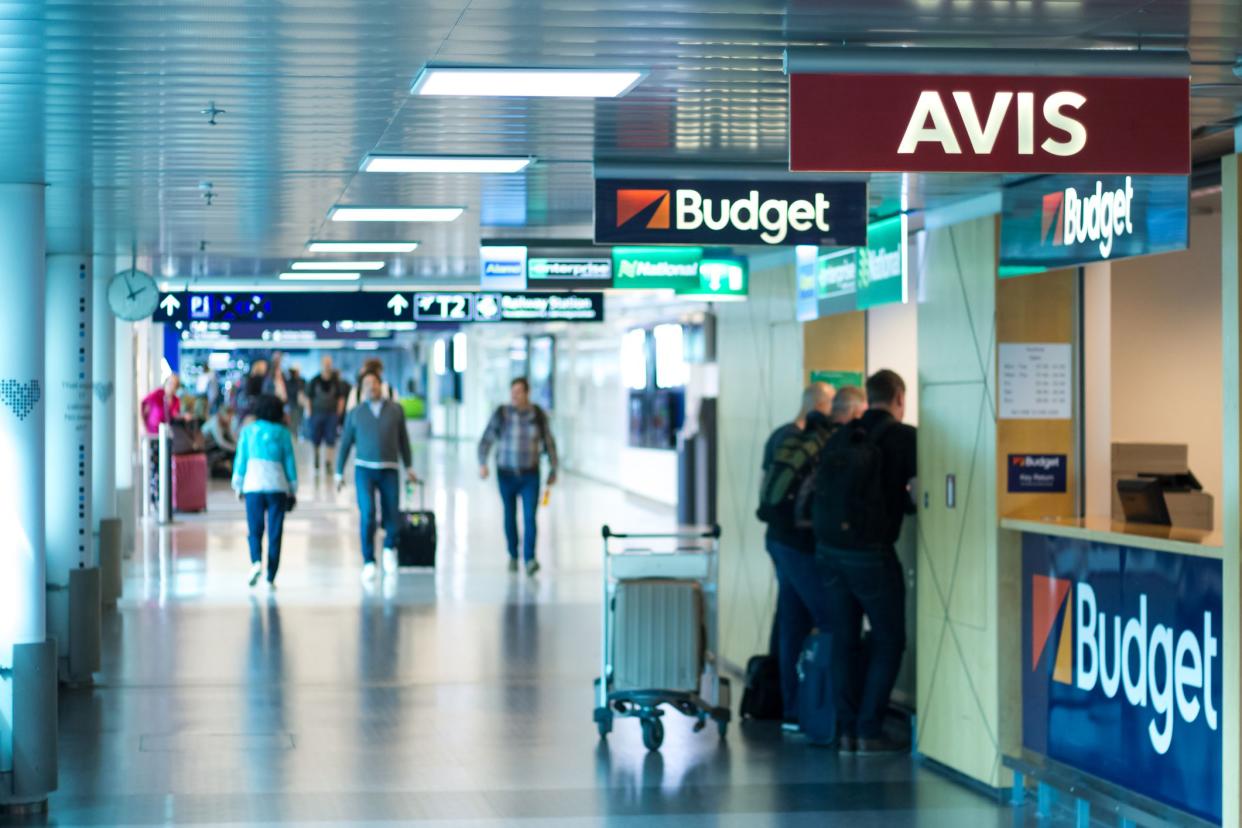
861,122
730,212
1121,667
1064,221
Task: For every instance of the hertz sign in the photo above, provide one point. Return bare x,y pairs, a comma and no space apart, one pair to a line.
728,213
1122,668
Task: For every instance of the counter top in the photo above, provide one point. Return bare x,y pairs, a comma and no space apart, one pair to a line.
1141,535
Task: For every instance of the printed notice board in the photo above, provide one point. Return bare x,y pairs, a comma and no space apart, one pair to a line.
1035,381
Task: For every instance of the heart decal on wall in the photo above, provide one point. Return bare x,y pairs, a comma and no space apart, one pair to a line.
20,397
103,391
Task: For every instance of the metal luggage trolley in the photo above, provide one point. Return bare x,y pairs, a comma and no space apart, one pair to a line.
673,582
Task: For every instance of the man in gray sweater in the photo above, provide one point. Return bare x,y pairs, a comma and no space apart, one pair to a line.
377,426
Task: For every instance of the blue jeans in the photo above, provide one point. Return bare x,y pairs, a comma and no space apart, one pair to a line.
269,506
801,605
858,583
388,482
526,486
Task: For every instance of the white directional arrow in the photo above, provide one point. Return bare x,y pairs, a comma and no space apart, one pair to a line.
170,304
398,304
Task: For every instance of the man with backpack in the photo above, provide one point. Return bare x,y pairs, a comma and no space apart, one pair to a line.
862,493
789,462
521,435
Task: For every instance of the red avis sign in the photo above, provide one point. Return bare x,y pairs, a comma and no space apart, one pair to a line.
988,124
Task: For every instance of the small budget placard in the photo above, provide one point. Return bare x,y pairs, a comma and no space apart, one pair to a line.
1037,473
1035,380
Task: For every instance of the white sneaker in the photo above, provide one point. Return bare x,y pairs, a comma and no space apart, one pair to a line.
389,559
369,573
256,572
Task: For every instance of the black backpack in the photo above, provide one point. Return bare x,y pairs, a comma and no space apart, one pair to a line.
761,699
851,505
785,493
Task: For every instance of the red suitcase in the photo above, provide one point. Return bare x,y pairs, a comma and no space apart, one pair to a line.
189,482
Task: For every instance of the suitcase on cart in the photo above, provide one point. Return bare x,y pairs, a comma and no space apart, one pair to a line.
658,640
189,482
416,543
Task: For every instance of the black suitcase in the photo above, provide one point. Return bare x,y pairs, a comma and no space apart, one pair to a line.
416,544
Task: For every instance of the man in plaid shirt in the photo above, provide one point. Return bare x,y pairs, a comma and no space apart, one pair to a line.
520,433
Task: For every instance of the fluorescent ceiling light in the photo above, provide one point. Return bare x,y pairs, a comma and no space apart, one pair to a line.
525,83
304,276
337,265
361,247
443,164
395,213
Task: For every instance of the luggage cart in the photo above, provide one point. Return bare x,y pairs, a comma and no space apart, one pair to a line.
661,592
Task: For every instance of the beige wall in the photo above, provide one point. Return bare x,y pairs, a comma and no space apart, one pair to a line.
759,350
893,343
1166,349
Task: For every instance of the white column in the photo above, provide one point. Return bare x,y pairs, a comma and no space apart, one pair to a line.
103,380
22,406
67,338
126,407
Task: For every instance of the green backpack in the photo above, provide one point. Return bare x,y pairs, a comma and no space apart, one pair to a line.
785,494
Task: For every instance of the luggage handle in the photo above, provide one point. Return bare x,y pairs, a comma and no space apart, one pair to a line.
712,531
422,493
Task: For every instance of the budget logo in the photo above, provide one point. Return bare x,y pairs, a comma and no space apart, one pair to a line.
1051,228
1098,217
649,208
1127,656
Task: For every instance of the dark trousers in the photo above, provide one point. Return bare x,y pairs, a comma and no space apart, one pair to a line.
387,482
801,605
524,485
266,507
858,583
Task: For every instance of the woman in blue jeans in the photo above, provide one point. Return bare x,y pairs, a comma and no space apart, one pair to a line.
266,476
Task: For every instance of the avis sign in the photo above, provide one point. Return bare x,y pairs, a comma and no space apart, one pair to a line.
988,124
1122,669
730,212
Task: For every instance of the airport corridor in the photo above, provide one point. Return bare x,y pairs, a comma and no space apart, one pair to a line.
460,697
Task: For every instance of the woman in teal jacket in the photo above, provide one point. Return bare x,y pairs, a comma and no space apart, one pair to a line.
266,476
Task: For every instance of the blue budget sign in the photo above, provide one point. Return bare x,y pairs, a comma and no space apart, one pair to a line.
1121,667
1037,473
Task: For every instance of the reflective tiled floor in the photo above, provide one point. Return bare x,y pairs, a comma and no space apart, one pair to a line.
458,698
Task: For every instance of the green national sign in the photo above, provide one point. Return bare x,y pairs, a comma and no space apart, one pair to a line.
838,379
882,264
652,268
719,279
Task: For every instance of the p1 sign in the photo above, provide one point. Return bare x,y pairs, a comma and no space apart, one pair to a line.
988,124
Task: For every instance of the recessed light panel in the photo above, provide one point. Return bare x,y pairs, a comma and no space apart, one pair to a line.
372,265
395,213
525,83
443,164
361,247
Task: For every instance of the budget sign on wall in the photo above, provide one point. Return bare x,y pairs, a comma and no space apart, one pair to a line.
976,123
1121,667
1062,220
730,212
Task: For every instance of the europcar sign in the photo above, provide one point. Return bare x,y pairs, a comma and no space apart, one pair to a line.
1121,667
1062,220
730,212
988,124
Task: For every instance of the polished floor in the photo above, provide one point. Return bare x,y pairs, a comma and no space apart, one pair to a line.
457,698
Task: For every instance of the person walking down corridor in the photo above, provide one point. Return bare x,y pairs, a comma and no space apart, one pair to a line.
862,493
325,404
521,435
377,426
789,463
266,477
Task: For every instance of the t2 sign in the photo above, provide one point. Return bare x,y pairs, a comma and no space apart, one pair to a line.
988,124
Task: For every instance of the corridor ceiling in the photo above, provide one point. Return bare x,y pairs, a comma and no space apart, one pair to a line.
104,101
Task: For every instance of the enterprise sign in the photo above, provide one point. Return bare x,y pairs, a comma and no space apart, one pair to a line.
543,272
1062,221
730,212
1122,667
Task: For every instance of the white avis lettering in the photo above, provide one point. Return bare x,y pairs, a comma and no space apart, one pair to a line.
774,215
932,123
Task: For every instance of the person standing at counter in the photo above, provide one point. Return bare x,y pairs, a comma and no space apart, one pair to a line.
862,495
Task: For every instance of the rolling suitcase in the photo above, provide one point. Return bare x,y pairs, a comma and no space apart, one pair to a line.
416,544
189,482
659,635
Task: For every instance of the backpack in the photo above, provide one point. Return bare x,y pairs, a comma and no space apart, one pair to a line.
761,699
851,505
785,493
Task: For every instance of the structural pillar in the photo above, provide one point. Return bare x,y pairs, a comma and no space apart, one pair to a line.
108,529
27,654
126,412
72,569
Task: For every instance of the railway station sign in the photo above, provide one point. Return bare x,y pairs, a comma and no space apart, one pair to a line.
763,213
865,122
1063,221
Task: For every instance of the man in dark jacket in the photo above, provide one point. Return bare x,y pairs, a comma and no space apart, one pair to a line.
870,581
377,426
